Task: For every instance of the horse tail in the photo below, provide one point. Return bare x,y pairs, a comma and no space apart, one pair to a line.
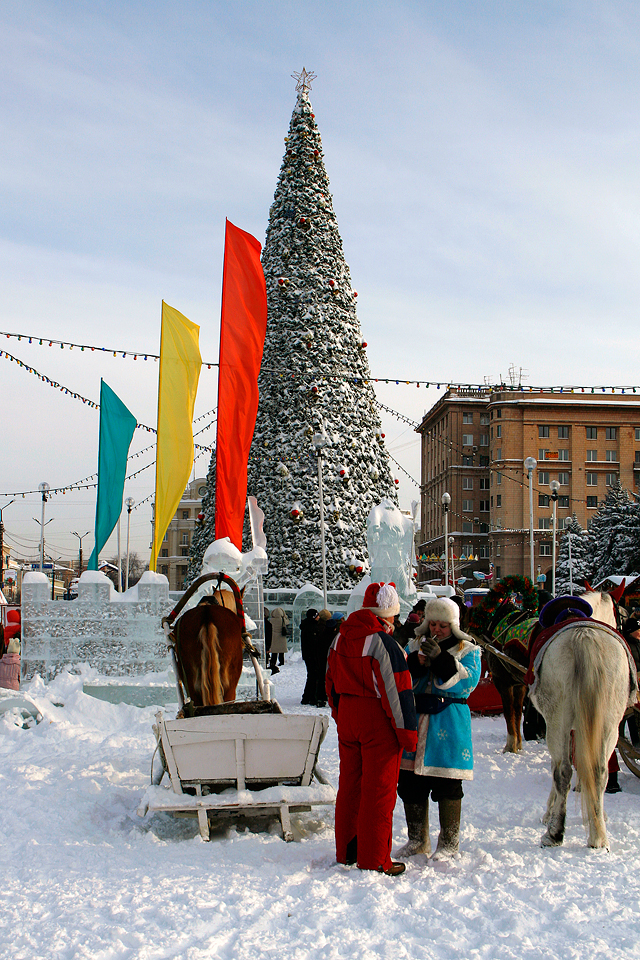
210,681
590,690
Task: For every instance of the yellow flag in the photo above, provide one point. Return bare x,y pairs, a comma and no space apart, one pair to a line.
180,363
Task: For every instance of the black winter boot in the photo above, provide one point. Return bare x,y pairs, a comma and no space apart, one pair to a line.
417,815
612,783
449,839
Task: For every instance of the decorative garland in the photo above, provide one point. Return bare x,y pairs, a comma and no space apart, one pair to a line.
482,614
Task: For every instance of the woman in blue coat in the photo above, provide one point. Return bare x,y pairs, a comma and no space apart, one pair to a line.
445,668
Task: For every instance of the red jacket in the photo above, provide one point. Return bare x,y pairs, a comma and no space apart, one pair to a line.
364,661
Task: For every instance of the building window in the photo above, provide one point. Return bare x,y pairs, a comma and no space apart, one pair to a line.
467,550
164,553
184,551
592,433
592,502
544,523
467,506
545,549
164,539
467,418
498,453
498,500
484,420
185,514
467,483
592,455
592,479
483,461
492,433
542,454
484,439
498,477
499,430
484,506
467,439
543,478
466,462
498,414
611,479
185,539
563,522
563,433
543,433
484,553
563,454
182,571
467,527
165,569
610,433
563,479
484,483
543,500
611,456
563,502
637,457
637,433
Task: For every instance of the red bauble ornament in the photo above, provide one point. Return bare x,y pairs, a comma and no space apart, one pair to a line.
281,281
316,153
355,293
382,436
332,283
314,389
358,569
363,344
396,481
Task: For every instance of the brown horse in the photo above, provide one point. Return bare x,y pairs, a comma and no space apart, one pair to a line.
512,632
208,643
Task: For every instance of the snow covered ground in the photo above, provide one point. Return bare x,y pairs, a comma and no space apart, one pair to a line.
84,876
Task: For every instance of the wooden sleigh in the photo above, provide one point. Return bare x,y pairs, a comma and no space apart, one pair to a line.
240,758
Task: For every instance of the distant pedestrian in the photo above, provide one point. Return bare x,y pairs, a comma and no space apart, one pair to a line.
279,627
309,639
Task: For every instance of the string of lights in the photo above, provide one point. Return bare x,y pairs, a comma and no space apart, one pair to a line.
342,374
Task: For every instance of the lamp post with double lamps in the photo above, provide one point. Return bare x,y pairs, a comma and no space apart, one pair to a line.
3,507
446,503
44,490
129,503
530,465
554,486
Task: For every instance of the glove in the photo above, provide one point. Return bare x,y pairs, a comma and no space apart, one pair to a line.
430,648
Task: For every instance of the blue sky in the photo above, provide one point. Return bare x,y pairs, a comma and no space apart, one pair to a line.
483,160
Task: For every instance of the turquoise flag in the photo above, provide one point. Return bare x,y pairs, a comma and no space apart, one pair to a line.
116,430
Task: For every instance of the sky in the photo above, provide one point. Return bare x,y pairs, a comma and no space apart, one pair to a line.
483,160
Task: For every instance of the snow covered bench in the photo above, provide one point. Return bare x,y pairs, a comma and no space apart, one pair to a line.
240,764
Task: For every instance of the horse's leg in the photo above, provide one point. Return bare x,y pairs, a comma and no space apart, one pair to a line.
559,744
519,693
508,705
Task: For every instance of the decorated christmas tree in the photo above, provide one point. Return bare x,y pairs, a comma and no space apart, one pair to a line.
581,551
314,380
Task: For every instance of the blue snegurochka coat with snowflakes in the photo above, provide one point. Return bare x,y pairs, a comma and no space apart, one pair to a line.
444,739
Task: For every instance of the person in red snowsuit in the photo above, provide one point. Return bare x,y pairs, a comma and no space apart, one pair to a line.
369,691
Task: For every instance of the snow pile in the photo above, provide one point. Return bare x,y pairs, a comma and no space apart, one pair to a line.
85,877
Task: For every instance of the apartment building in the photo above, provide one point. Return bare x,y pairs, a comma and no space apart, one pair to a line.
173,560
474,443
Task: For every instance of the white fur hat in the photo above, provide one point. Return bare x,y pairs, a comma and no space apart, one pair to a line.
382,599
446,611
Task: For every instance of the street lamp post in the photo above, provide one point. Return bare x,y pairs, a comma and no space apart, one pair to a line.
44,490
554,486
129,502
570,563
80,538
2,542
530,465
453,566
446,503
319,441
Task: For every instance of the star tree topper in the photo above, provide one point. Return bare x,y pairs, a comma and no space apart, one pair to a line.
303,80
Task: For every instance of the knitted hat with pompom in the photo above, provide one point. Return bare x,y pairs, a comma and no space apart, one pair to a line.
382,599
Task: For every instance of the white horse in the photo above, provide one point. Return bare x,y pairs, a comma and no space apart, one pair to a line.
584,683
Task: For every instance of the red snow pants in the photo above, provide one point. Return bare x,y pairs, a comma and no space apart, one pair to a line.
369,766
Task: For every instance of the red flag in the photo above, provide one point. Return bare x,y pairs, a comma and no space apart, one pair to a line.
242,331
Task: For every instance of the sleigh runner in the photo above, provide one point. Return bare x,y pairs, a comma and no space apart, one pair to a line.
235,758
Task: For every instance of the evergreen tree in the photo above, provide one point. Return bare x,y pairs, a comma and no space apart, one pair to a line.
314,376
609,536
204,533
581,549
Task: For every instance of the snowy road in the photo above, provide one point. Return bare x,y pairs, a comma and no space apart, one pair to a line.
84,876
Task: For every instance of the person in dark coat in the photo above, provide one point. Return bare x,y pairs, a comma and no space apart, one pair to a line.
631,633
309,641
268,633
